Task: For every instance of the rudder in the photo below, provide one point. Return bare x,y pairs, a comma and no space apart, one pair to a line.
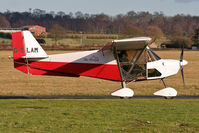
18,45
25,47
33,48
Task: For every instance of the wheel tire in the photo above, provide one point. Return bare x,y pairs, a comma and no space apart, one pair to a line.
169,97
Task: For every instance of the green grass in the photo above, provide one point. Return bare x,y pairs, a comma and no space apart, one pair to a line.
128,115
3,40
67,41
100,42
77,42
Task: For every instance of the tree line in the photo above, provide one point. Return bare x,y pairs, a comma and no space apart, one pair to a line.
130,24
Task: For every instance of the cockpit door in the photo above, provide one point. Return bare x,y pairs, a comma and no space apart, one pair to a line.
131,57
132,64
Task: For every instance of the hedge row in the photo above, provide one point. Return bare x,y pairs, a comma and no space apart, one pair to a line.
5,35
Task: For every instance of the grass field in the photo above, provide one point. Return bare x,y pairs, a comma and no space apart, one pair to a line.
99,116
84,41
102,115
3,40
76,41
16,83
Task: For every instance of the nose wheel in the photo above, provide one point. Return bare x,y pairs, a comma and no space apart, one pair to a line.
167,92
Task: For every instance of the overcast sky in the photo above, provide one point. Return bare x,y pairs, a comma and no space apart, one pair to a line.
110,7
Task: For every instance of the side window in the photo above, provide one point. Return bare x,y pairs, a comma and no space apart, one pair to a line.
123,56
132,63
153,73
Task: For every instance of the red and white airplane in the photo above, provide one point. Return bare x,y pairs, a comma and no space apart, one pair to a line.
125,61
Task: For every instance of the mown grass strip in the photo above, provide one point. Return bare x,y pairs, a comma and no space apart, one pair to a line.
104,115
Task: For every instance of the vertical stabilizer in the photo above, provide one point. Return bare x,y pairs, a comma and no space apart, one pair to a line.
18,45
25,47
33,48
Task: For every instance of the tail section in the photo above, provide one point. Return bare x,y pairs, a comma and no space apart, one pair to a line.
25,47
33,48
18,45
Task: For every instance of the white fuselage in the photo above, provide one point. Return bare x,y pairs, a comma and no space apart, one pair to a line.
167,67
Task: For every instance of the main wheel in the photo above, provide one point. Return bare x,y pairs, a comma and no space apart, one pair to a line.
169,97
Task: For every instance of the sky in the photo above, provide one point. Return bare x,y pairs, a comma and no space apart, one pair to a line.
110,7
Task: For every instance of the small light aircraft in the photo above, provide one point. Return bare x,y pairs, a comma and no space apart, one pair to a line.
125,61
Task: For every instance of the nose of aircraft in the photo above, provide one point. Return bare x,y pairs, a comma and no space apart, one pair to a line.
183,62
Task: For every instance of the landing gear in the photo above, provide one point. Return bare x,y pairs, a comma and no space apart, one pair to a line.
123,92
125,97
167,92
164,83
168,97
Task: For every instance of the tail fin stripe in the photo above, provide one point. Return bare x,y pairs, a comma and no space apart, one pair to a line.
18,45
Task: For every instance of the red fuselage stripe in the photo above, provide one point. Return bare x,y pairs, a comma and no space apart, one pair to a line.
103,71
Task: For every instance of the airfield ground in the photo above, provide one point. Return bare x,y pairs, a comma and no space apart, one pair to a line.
16,83
102,115
96,115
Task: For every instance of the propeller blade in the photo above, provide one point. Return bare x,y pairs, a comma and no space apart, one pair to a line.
182,73
181,67
181,55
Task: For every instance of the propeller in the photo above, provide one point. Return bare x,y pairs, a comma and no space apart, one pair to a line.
181,66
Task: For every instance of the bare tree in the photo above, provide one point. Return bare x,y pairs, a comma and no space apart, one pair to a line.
57,32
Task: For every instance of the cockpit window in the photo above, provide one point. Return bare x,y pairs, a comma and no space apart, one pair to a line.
153,73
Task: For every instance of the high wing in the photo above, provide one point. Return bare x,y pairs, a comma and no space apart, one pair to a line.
132,56
132,43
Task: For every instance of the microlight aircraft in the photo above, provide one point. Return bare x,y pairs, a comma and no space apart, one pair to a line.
125,61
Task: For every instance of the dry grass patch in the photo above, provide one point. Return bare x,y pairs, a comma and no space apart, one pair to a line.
14,82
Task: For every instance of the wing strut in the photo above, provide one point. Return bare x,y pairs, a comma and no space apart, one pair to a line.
164,83
136,61
123,83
